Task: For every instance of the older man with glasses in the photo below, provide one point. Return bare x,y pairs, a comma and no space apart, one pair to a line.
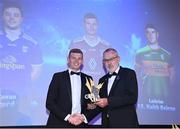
119,93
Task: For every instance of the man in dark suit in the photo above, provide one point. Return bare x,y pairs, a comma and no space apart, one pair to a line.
65,98
118,94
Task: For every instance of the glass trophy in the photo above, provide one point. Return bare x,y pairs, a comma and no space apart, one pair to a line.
94,90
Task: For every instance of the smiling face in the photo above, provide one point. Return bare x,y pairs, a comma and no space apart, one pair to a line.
111,61
75,60
12,18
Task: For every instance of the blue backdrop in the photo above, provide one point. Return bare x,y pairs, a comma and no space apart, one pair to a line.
55,23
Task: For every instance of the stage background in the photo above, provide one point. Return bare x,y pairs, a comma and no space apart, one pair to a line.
55,23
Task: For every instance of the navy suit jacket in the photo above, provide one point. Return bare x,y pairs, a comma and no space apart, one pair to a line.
59,99
122,99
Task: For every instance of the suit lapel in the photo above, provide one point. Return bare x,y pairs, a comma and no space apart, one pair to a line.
104,87
82,88
118,77
68,84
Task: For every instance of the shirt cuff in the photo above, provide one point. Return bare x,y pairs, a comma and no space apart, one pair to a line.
67,117
85,119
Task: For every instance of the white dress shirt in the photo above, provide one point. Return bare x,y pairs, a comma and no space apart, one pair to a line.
75,93
111,80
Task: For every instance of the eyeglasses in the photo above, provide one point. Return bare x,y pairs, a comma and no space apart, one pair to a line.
110,59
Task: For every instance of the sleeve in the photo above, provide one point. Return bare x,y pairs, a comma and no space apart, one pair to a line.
52,98
170,60
91,113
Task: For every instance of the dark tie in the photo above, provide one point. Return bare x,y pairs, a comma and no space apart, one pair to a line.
113,74
77,73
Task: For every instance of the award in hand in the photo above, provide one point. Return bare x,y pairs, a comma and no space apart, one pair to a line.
94,90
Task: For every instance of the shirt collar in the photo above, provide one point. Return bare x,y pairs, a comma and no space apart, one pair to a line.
69,70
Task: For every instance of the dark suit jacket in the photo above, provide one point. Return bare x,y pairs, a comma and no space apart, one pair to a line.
59,99
121,111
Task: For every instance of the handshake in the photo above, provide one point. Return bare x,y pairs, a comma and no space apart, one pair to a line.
76,119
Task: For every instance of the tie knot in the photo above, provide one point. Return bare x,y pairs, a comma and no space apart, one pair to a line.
77,73
113,74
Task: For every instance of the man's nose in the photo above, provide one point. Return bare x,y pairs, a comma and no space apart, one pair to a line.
76,60
11,17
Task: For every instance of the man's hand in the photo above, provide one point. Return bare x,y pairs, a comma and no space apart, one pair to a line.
76,119
91,106
102,102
